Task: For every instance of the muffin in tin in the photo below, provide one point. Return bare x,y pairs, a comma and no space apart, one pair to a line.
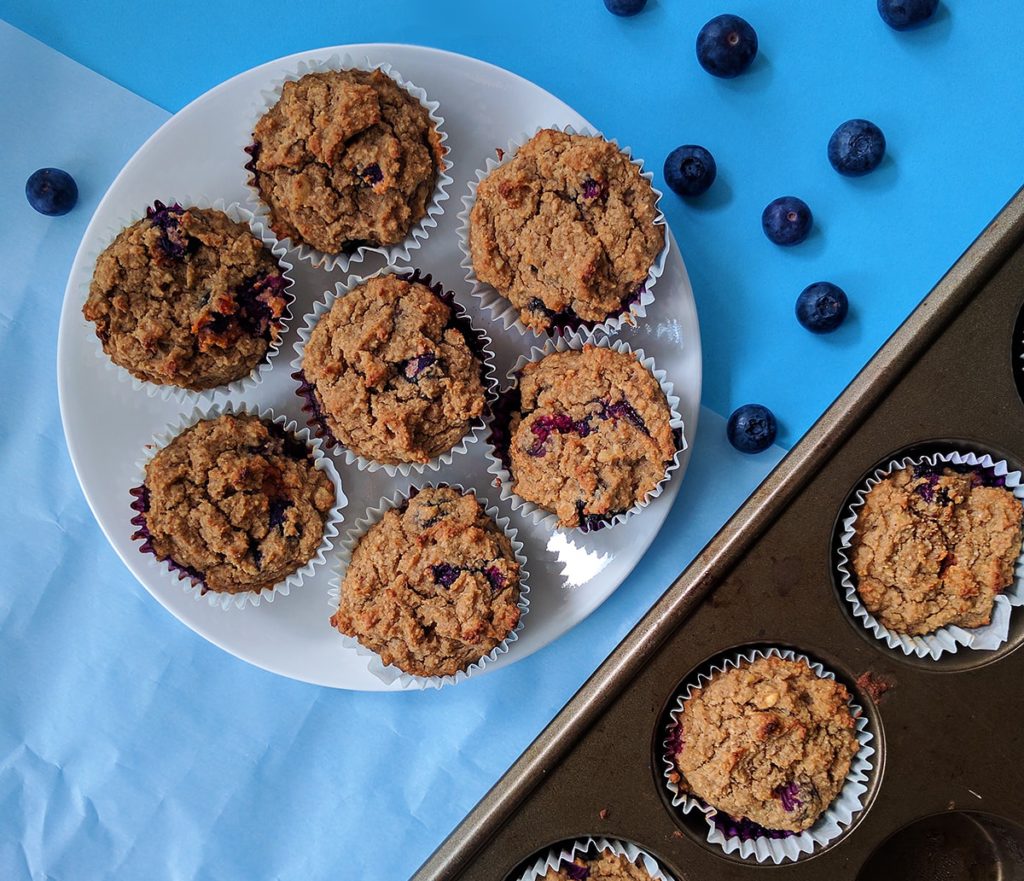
187,297
565,230
606,866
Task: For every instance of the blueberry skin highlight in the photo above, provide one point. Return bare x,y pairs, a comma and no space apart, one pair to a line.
822,307
787,220
856,147
625,7
51,191
690,170
901,15
751,428
726,46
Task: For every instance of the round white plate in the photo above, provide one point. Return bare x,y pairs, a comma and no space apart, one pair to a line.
199,152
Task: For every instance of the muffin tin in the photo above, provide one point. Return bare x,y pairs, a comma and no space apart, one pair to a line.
946,799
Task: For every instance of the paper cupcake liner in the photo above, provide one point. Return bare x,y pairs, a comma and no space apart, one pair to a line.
502,472
787,846
502,310
949,638
189,580
478,341
419,232
589,848
239,386
389,673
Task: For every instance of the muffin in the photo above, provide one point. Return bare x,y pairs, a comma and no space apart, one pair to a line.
345,158
769,742
935,546
565,230
433,586
389,372
235,503
590,436
187,297
606,866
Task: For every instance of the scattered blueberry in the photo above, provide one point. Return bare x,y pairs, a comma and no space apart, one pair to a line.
625,7
690,170
751,428
821,307
903,14
726,46
51,191
856,147
787,220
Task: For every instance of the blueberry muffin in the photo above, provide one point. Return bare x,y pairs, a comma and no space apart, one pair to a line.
565,230
934,547
770,742
590,436
235,503
433,586
187,297
606,866
345,158
390,372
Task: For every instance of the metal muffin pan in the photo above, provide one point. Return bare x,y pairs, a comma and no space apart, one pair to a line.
946,799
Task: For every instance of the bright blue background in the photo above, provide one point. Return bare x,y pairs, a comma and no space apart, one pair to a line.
129,748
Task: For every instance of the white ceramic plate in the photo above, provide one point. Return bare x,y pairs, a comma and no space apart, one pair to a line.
199,152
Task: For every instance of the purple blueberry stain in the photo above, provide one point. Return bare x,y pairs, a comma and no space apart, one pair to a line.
445,574
276,511
372,174
411,368
496,577
623,410
577,873
789,796
261,301
744,829
141,506
173,242
593,189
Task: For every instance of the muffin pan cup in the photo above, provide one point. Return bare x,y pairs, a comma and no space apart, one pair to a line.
501,309
219,599
945,639
183,396
435,208
482,342
503,476
389,673
589,848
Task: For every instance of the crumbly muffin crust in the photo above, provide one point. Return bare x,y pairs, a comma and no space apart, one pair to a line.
607,866
392,377
592,435
235,502
934,548
566,226
433,586
345,158
187,297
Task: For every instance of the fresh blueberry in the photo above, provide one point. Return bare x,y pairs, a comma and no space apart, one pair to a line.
821,307
51,191
726,46
904,14
625,7
751,428
856,147
690,170
787,220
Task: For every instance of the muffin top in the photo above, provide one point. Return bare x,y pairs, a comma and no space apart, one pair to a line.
934,547
565,229
591,437
235,502
391,372
345,158
769,741
607,866
433,586
187,297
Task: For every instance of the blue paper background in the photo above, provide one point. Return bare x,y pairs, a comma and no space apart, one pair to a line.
129,748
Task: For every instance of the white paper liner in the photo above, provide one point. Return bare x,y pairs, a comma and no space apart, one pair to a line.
586,848
323,463
388,673
405,468
419,232
577,341
171,392
501,309
830,824
945,639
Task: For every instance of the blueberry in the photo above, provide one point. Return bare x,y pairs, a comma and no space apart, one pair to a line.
726,46
51,191
821,307
856,147
787,220
625,7
904,14
751,428
690,170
